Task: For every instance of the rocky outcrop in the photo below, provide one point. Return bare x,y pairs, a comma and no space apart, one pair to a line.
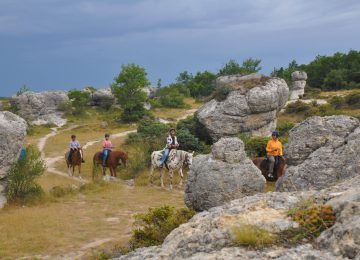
208,235
298,84
251,106
102,98
12,133
41,108
150,91
321,152
221,176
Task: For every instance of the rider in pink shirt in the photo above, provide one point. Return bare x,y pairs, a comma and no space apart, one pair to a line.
107,145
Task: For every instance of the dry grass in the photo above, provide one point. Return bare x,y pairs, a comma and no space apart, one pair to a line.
59,228
253,236
330,94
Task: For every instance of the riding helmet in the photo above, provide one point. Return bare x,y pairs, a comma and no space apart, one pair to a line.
275,133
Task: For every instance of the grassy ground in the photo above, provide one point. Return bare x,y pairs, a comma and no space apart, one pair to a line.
66,226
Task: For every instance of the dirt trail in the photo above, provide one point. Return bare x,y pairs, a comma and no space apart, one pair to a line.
51,161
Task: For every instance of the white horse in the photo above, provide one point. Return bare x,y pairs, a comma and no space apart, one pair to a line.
176,161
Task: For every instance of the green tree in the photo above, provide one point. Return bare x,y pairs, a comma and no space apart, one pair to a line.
128,90
248,66
23,89
79,100
184,77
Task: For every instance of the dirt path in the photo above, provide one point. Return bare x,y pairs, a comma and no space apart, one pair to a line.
51,161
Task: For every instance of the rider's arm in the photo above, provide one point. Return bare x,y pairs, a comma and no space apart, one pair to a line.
268,147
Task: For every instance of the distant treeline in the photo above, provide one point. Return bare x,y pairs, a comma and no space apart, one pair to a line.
339,71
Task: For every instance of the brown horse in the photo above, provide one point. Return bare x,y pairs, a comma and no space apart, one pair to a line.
112,161
75,161
263,165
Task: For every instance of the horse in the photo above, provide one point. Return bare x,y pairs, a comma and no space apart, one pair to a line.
176,161
76,160
263,165
114,159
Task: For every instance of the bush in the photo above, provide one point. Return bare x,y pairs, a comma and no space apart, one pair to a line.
133,114
21,177
353,100
195,128
170,97
58,191
297,107
188,142
312,218
153,227
255,146
284,128
337,102
253,236
79,100
148,128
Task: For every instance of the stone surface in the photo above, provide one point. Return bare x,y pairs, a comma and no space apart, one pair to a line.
41,108
12,135
321,152
251,106
224,175
208,235
102,98
298,84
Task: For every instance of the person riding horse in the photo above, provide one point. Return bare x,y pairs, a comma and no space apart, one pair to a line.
273,149
74,146
107,146
171,143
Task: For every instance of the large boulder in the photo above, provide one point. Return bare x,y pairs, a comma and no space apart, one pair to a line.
321,152
208,235
102,98
12,135
221,176
41,108
298,84
251,106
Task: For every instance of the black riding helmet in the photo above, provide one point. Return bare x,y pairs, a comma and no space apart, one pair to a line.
275,133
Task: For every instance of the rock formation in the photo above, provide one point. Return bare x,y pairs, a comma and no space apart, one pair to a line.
102,98
41,108
321,152
251,106
208,235
224,175
12,133
298,84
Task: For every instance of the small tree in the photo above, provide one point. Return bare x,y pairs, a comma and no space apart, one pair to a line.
128,90
22,174
23,89
248,66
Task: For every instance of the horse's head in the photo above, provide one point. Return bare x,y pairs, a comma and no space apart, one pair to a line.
189,158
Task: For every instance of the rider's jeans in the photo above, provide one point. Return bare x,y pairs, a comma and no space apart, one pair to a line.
165,155
271,163
105,156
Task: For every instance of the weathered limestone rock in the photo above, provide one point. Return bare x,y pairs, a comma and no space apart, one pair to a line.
102,98
321,152
12,135
224,175
41,108
298,84
250,107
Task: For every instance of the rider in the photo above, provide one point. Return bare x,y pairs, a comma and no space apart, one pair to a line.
74,146
273,148
171,143
107,145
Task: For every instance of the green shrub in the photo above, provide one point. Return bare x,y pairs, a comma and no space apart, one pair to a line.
153,227
255,146
170,97
297,107
133,114
58,191
188,142
149,128
311,92
353,100
21,177
79,100
284,128
195,128
337,102
253,236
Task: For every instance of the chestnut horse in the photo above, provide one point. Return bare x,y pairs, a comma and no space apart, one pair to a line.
263,165
112,161
75,161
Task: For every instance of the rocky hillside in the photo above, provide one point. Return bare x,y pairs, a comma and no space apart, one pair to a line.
323,160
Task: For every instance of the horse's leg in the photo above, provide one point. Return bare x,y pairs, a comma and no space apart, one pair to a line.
114,170
181,177
151,174
161,177
171,174
111,171
79,169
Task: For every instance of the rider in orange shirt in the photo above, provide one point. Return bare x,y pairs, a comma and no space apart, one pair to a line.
273,148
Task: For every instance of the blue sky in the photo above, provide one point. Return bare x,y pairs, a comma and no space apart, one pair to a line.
66,44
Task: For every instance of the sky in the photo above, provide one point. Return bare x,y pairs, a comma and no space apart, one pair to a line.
67,44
